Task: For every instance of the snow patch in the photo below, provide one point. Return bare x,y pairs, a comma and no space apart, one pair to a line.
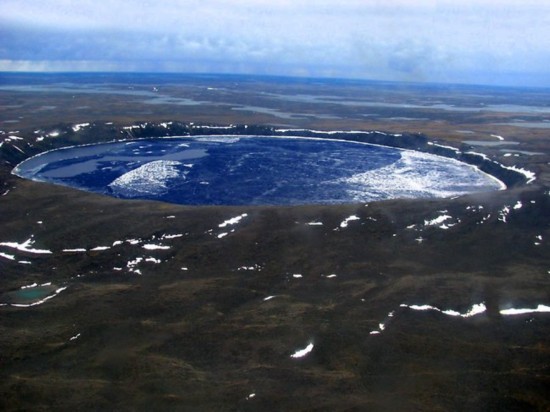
346,221
233,221
6,256
503,214
248,268
475,310
151,246
100,248
530,176
437,221
514,311
302,352
77,127
75,337
25,246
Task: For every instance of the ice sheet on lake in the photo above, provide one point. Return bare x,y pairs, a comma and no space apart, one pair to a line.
418,174
217,139
149,179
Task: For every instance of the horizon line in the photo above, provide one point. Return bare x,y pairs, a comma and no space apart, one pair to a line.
273,76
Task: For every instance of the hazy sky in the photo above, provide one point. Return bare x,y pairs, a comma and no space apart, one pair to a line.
466,41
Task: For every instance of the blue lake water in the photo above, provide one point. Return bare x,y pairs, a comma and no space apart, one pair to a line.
237,170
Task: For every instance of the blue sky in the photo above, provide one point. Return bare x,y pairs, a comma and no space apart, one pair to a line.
467,41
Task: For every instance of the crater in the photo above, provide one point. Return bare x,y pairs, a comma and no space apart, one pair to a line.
255,170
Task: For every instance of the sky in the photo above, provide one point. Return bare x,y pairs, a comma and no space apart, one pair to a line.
500,42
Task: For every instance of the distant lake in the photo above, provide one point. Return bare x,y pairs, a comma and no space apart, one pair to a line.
239,170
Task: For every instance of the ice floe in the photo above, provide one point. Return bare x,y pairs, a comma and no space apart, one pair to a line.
302,352
149,179
418,174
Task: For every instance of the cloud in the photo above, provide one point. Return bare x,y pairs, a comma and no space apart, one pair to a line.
398,39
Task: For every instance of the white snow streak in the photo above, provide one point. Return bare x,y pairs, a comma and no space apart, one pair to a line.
346,221
233,221
302,352
25,246
513,311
